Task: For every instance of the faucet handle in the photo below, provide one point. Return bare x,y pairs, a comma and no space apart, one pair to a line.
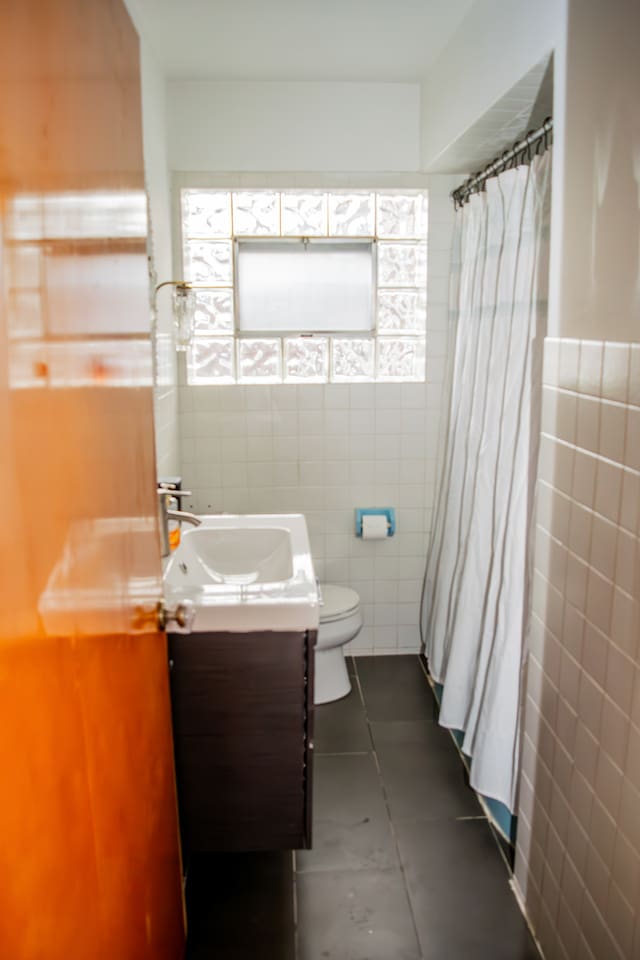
172,492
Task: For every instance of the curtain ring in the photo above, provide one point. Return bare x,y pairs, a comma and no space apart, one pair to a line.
528,146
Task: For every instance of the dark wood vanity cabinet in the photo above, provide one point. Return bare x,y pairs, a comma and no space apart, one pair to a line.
243,739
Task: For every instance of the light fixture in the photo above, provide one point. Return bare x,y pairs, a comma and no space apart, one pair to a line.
184,307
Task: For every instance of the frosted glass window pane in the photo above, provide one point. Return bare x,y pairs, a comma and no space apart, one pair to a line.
352,359
260,361
351,215
306,359
401,215
206,213
304,214
211,360
401,359
213,312
293,286
256,214
402,264
401,310
208,262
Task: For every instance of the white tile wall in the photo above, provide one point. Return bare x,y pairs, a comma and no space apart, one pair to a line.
578,856
324,450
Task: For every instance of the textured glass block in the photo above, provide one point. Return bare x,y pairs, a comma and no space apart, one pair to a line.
208,261
28,365
256,214
401,310
260,361
25,314
351,215
400,359
95,363
402,264
206,213
25,263
352,359
213,312
304,214
400,215
306,359
211,360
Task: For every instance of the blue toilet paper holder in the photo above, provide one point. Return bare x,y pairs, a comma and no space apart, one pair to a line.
387,512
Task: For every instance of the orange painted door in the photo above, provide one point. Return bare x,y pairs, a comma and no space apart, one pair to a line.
89,851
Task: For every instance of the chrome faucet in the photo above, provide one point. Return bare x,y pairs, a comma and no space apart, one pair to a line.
184,516
165,491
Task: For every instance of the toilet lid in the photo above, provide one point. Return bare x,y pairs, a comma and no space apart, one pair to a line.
339,602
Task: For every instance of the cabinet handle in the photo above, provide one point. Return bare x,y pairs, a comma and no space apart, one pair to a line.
160,615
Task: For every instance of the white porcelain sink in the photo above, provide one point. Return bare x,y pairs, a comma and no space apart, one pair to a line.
232,555
244,572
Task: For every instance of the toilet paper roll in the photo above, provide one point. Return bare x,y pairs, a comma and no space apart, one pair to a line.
374,527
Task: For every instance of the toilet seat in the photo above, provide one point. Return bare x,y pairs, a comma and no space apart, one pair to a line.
338,603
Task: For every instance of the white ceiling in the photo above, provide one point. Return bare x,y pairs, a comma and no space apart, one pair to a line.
523,108
365,40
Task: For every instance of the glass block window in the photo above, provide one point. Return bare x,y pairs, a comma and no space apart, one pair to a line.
354,310
306,359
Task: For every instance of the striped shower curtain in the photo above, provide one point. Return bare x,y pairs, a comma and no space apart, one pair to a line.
476,592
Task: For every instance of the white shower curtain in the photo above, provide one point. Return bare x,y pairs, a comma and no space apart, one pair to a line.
476,591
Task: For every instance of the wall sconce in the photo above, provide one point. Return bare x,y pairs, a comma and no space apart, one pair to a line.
184,307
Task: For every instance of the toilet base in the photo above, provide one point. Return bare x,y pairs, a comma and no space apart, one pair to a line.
331,680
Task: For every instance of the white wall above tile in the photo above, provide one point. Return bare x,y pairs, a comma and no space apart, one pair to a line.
293,126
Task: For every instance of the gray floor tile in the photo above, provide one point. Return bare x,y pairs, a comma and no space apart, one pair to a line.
364,845
361,915
423,783
394,688
458,885
347,790
341,727
426,731
351,828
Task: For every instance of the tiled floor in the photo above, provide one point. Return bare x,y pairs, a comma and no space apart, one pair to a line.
404,865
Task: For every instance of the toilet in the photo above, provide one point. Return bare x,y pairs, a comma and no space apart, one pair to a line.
340,622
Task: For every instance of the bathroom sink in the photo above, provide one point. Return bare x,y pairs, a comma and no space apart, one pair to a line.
232,555
244,572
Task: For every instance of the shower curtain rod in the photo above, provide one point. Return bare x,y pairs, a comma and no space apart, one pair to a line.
476,182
